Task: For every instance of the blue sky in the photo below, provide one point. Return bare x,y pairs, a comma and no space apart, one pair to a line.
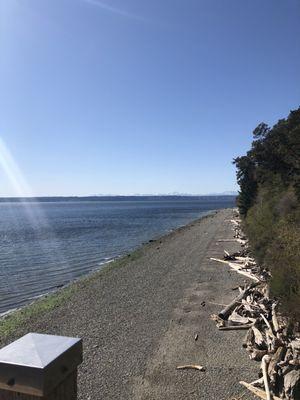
139,96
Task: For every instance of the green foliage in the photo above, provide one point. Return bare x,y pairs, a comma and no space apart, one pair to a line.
269,201
284,255
259,226
246,180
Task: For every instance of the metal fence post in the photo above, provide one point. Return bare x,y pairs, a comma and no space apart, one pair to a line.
40,367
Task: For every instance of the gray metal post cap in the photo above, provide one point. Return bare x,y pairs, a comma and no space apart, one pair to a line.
36,364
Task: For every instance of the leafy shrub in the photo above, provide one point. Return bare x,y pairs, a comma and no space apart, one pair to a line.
283,256
269,179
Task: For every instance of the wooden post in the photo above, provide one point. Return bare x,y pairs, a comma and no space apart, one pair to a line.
40,367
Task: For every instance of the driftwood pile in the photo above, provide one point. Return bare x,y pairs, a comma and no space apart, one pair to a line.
268,339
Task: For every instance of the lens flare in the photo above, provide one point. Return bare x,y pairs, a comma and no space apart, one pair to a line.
47,242
13,172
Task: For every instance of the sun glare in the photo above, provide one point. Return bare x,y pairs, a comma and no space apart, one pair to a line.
13,172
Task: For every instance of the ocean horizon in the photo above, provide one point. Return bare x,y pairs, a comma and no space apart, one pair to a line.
121,197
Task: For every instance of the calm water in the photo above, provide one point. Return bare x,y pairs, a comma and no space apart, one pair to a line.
46,245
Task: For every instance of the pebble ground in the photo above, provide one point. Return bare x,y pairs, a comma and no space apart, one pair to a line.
138,321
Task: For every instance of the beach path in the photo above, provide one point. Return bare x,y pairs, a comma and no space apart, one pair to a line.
138,321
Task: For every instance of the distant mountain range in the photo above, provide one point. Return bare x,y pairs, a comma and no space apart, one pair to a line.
228,193
176,194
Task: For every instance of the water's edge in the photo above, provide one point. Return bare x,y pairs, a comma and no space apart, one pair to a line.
118,261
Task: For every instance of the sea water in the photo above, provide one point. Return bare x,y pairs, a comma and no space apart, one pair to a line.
47,244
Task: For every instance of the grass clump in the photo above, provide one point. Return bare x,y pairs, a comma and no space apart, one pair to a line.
18,318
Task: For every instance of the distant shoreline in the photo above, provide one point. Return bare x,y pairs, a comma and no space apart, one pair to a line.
45,199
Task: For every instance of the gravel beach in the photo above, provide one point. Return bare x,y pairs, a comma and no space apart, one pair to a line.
138,321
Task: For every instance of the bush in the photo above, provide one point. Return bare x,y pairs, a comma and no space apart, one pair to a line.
283,257
269,179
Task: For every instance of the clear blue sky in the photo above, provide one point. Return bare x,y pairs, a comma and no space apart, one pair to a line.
139,96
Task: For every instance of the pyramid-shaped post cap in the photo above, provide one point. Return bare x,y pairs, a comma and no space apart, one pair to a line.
36,364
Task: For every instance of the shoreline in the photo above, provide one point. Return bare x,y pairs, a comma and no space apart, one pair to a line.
139,315
40,303
65,243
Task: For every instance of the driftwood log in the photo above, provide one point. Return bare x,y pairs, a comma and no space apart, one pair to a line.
269,338
228,309
258,392
264,366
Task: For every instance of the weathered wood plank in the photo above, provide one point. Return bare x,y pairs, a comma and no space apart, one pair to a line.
67,390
